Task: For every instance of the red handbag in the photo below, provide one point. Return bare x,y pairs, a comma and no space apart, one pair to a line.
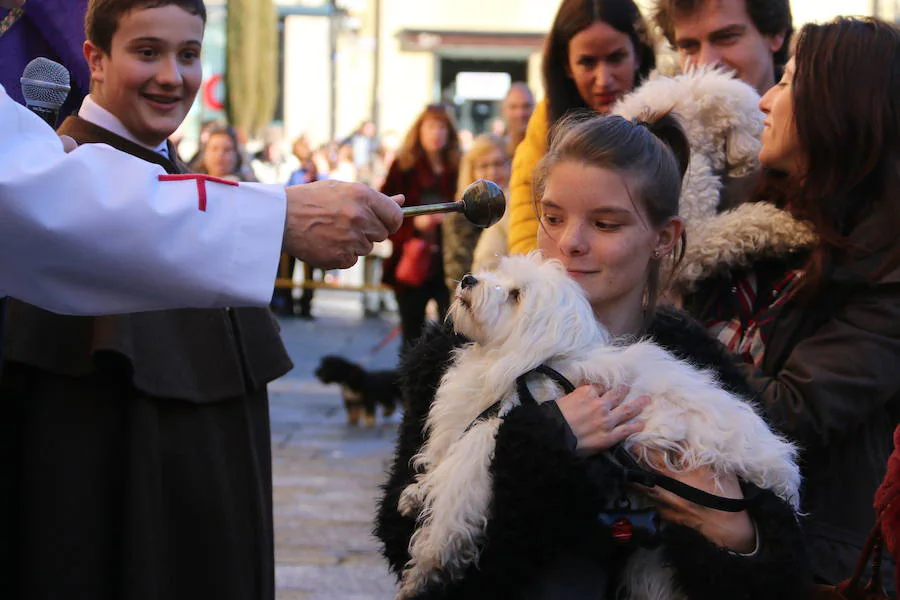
414,265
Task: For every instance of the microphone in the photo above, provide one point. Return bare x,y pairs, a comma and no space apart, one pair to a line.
482,203
45,85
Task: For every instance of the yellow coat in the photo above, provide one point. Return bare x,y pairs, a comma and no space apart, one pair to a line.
523,222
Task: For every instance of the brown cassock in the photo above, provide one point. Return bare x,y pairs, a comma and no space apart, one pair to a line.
136,447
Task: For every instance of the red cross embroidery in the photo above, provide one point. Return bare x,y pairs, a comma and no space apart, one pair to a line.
201,180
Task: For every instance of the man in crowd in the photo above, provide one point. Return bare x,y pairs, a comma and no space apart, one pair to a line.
748,36
516,110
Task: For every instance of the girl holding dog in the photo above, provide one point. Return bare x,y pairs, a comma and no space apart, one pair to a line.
821,347
608,192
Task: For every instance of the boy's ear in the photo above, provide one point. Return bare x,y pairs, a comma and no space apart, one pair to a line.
94,57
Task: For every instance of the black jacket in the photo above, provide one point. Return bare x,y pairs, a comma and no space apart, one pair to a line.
543,538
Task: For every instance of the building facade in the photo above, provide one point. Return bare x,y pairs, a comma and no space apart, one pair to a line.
347,61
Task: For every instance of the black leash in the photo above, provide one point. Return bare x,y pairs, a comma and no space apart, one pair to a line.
524,393
633,471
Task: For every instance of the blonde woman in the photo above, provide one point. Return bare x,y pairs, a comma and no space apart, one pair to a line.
487,158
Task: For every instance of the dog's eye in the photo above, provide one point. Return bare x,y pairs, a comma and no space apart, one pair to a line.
514,294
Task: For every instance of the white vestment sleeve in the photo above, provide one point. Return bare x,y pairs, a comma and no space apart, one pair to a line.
95,231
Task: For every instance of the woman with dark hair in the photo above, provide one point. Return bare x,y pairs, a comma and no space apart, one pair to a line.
596,52
608,190
822,344
425,171
221,155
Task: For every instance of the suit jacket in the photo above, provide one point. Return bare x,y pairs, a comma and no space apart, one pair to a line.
200,355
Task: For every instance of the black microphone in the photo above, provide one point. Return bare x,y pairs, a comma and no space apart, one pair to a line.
45,85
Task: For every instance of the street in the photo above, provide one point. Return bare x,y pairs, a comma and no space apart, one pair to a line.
326,474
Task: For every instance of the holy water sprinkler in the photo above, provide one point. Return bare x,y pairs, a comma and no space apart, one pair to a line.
482,203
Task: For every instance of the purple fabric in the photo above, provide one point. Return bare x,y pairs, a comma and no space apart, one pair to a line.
49,28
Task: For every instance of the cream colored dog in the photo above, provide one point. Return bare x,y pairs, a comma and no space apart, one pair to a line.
529,313
720,116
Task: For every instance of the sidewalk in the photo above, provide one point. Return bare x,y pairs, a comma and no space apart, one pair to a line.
326,474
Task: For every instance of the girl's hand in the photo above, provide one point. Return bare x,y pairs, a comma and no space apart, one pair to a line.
734,531
599,419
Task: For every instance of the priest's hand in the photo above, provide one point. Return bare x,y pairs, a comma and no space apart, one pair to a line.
330,224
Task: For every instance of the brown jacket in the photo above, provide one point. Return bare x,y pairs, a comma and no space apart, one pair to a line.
199,355
830,381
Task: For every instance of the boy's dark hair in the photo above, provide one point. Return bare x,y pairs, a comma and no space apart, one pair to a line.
101,19
770,17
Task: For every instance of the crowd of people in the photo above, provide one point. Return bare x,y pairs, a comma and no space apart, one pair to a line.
806,329
131,422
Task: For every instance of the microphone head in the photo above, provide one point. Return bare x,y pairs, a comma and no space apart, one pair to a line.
483,203
45,83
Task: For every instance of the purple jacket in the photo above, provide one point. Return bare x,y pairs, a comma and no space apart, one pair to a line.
49,28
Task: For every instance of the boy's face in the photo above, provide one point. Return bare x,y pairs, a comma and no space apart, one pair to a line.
721,32
151,76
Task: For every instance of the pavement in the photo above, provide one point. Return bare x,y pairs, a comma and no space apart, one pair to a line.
326,473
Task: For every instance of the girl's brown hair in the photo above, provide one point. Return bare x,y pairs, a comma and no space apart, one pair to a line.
411,151
652,156
846,95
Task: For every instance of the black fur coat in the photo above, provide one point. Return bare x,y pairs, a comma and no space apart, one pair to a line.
543,539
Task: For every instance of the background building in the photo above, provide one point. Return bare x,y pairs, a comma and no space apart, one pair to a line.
346,61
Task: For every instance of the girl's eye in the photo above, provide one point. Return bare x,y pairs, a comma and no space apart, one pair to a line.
607,226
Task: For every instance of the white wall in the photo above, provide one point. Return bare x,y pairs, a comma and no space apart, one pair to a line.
407,78
307,78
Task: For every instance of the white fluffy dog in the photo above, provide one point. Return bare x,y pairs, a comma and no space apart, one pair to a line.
529,313
721,118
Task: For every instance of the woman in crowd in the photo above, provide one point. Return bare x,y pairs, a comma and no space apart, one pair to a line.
486,159
608,192
819,326
221,155
425,171
596,52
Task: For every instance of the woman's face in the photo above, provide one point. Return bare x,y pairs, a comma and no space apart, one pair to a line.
433,135
493,166
591,225
603,65
220,155
780,143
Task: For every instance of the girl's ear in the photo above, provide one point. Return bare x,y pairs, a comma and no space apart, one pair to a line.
668,236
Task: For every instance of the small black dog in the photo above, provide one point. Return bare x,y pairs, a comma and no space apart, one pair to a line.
361,389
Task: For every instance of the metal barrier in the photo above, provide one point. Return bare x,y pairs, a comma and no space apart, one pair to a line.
283,283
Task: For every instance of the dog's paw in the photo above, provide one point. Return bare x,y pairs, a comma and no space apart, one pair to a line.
410,501
415,580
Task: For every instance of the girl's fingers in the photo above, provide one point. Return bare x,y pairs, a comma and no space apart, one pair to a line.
626,412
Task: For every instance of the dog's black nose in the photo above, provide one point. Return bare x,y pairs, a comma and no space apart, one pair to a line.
468,281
